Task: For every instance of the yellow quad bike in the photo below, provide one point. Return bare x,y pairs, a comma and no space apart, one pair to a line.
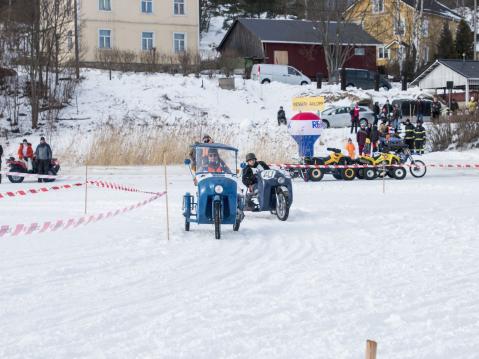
335,157
387,165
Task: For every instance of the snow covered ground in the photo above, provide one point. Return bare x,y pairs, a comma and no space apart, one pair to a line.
352,263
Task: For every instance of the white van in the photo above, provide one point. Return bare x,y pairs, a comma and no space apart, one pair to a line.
265,73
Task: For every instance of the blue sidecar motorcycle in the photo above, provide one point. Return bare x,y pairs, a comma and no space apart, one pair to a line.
274,193
214,168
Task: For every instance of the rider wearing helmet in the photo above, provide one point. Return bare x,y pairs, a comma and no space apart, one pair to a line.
249,176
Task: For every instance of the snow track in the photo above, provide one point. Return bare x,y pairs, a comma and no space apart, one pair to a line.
350,264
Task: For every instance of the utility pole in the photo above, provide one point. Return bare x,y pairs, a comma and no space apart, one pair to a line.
475,29
77,51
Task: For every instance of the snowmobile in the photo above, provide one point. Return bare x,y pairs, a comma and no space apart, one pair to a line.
335,157
274,193
385,164
21,167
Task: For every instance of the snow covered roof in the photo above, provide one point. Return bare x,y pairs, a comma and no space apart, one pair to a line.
468,70
305,32
436,8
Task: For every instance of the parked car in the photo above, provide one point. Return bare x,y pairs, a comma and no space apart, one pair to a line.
341,117
265,73
360,78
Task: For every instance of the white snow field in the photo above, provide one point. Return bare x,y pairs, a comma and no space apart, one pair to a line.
351,263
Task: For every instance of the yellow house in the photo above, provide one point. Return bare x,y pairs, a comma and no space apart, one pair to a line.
167,27
392,23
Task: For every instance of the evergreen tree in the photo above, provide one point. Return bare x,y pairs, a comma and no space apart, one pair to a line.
445,47
464,40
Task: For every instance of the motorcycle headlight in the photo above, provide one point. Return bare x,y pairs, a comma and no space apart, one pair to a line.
219,189
281,180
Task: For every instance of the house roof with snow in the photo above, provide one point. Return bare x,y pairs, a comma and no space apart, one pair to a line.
302,32
467,70
436,8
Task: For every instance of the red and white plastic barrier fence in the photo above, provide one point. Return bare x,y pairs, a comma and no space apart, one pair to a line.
433,165
62,224
97,183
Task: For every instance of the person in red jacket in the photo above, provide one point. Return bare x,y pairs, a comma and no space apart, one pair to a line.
361,138
355,118
25,152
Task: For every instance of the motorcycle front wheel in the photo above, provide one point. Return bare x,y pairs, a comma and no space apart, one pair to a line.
282,205
418,168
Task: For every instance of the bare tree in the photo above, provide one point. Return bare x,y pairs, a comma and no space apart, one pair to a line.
333,28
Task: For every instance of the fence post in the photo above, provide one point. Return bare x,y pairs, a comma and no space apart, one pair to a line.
371,349
86,186
166,199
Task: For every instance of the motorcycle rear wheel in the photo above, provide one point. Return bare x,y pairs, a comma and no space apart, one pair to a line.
282,205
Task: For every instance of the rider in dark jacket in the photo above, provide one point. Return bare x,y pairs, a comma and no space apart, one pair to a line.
254,166
249,177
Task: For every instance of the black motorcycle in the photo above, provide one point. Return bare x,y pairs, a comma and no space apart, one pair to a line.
274,193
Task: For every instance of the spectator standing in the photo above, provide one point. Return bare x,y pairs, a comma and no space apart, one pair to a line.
435,109
419,138
454,106
420,109
282,117
472,105
409,135
377,112
355,118
374,136
361,139
25,153
351,149
43,154
395,117
387,108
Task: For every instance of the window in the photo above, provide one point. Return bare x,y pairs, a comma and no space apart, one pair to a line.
359,51
399,27
383,53
147,6
146,41
425,27
292,71
426,54
104,41
179,7
104,5
179,42
378,6
70,40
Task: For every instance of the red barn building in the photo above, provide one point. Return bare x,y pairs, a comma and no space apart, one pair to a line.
298,43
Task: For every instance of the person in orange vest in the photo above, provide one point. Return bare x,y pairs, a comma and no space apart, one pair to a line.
351,148
215,164
25,153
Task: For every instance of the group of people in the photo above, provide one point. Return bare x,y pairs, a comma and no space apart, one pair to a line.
41,158
372,137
